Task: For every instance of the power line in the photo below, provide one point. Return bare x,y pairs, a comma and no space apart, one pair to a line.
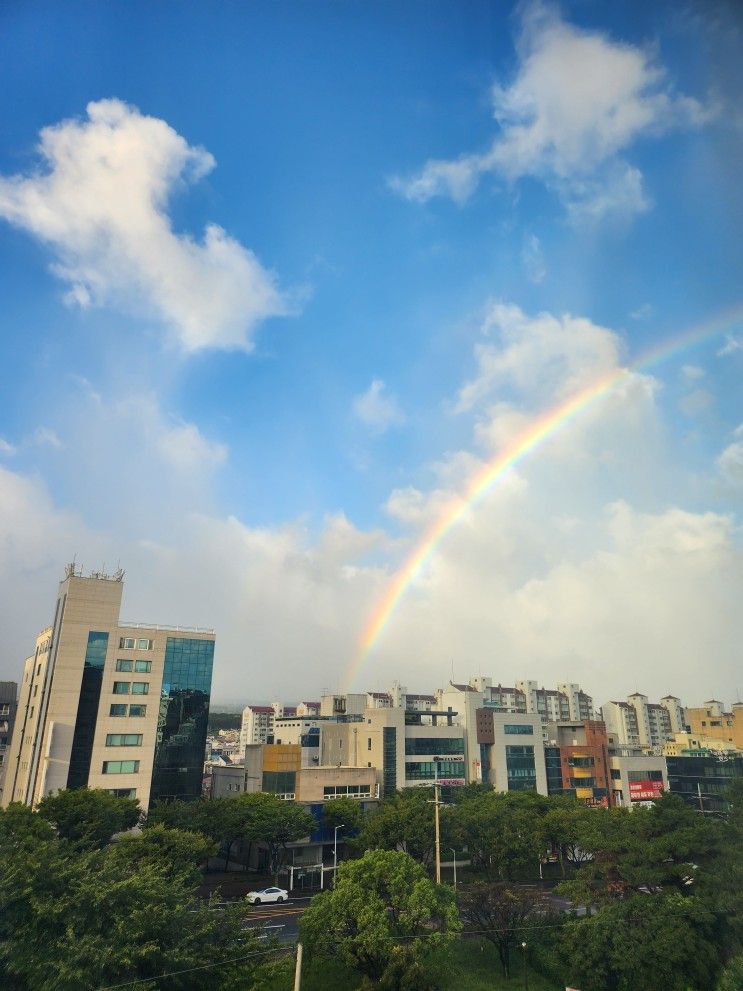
190,970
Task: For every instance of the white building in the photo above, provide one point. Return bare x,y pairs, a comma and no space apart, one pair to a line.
257,725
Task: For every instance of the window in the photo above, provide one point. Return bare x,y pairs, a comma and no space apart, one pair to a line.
426,770
137,710
122,687
518,729
368,743
615,774
143,667
31,713
124,665
144,645
36,690
140,688
417,746
122,792
120,766
124,740
126,643
117,709
349,791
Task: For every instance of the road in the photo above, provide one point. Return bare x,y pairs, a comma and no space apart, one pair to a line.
279,920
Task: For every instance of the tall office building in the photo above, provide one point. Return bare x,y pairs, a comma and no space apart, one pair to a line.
8,706
119,706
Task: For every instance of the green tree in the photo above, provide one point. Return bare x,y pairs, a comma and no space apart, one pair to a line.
73,917
344,812
500,912
403,822
502,831
643,943
89,816
184,851
270,820
385,919
731,979
565,824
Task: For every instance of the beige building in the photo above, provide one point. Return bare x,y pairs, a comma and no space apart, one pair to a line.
637,779
110,705
712,720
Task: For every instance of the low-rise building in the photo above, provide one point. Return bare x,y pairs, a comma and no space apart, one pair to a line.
702,779
577,761
511,750
637,778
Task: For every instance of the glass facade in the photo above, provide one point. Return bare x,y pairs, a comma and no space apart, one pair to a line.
280,782
422,746
518,729
522,773
389,760
553,769
87,710
181,725
426,770
688,776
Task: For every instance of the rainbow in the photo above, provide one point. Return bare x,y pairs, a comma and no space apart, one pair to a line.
532,438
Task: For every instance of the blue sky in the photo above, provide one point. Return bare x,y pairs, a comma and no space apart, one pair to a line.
267,254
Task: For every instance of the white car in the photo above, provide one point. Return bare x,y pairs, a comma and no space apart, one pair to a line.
266,895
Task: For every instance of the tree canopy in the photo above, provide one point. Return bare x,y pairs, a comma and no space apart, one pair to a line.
385,918
89,816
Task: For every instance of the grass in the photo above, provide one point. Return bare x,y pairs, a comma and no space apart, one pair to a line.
470,966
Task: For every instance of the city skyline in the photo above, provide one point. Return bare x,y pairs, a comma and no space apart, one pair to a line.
368,338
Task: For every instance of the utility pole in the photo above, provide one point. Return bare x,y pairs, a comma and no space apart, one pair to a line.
455,868
335,850
436,802
298,969
701,800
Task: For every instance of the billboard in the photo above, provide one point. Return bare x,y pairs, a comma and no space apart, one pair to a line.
643,791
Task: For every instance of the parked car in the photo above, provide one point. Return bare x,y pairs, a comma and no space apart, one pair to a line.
266,895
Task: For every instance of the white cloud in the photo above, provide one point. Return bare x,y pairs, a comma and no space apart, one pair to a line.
643,312
542,356
533,260
101,204
731,345
577,102
7,448
692,373
377,409
583,564
46,437
730,462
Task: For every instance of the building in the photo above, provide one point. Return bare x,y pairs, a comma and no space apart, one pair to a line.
687,743
702,779
577,761
112,705
568,702
712,720
639,723
511,751
8,707
637,778
257,725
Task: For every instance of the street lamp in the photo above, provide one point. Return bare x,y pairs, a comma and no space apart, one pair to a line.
526,972
455,866
436,802
335,850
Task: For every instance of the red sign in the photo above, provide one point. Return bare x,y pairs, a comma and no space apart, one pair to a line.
643,791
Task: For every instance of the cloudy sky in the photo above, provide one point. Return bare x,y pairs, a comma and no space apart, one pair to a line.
279,281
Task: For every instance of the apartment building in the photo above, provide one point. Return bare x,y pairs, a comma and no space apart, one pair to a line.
112,705
8,707
257,725
712,720
639,723
567,702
